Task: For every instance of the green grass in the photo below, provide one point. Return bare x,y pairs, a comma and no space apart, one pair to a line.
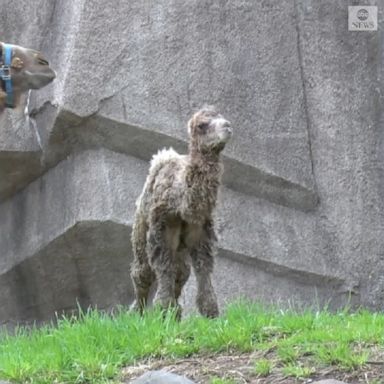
263,367
219,380
298,371
94,347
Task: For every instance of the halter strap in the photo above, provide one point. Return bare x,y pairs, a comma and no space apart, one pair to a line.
5,74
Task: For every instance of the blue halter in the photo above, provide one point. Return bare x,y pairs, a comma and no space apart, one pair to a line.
5,74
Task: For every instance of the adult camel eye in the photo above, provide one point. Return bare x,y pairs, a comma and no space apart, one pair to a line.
42,61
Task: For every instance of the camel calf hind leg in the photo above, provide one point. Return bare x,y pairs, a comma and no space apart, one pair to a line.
142,277
141,273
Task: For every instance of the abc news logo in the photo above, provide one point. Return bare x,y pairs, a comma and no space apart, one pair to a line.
362,18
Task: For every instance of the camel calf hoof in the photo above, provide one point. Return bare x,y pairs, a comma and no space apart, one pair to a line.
208,308
136,307
211,313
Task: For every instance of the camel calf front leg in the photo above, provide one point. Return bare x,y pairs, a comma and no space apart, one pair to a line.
202,261
163,241
161,261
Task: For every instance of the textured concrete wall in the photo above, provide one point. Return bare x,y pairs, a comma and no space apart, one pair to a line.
301,215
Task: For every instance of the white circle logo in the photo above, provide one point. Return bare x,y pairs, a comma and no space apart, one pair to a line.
362,14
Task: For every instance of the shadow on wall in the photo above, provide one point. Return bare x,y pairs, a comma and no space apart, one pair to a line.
81,265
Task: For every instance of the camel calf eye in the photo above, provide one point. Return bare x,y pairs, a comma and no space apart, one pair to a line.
203,126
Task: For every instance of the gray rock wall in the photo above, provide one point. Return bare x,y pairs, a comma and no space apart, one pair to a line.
301,216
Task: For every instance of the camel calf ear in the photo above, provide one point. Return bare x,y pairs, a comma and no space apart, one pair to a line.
17,63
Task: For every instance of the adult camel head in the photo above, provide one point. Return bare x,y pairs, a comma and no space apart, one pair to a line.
21,69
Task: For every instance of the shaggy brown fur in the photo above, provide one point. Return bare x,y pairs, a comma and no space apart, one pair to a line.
29,70
173,225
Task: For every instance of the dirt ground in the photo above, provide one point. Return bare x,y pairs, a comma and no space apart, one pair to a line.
240,368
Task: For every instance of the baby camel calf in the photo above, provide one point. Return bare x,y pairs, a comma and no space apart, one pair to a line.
173,224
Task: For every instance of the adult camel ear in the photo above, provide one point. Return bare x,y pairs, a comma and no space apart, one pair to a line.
17,63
